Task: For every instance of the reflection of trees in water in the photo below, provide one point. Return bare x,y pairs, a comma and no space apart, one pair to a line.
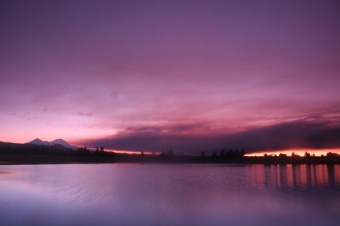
296,177
331,175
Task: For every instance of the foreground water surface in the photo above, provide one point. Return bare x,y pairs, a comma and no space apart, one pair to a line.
152,194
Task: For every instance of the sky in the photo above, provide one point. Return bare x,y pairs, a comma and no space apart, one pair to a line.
187,76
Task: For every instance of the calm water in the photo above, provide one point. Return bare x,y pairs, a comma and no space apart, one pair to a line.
136,194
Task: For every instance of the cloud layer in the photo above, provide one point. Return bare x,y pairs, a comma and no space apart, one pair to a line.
173,74
182,139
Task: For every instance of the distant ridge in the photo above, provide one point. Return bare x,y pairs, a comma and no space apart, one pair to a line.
59,141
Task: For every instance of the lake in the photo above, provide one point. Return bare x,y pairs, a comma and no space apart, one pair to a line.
161,194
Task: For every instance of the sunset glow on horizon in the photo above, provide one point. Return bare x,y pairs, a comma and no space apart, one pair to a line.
300,152
131,152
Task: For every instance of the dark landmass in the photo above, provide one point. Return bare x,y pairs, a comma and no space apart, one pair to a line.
11,153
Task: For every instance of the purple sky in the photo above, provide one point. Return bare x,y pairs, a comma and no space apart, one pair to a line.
181,75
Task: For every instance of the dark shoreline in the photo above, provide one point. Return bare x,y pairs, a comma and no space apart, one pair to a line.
29,154
150,159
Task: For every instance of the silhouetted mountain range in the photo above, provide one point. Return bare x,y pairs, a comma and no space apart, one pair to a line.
52,143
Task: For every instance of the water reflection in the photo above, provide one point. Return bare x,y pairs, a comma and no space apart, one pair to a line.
151,194
295,177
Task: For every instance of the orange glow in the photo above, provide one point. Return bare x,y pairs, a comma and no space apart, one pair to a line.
337,173
303,175
300,152
131,152
289,176
322,177
257,174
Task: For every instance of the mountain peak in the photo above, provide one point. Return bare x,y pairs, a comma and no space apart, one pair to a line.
61,142
58,141
38,141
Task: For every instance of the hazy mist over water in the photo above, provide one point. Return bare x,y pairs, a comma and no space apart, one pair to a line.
154,194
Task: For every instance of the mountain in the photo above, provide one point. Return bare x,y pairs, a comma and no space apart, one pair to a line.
52,143
39,142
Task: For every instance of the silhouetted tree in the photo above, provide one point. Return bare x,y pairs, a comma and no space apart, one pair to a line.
222,153
282,155
230,153
82,151
294,155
